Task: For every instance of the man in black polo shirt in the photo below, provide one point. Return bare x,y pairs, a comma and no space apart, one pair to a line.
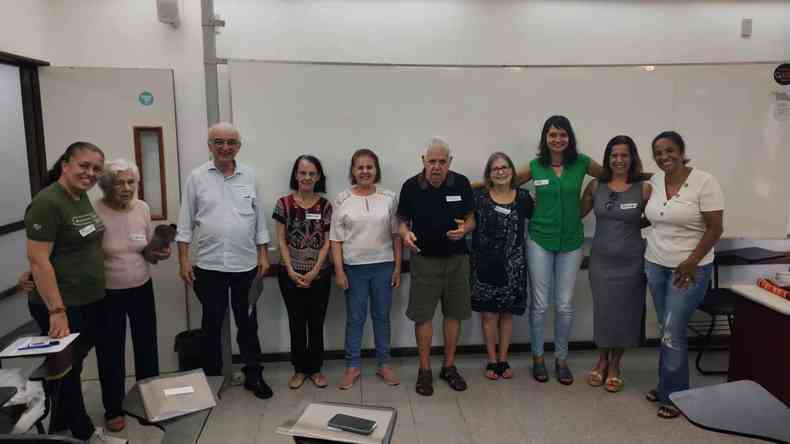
436,212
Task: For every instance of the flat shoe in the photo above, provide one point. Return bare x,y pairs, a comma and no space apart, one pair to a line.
539,371
652,395
614,384
349,378
504,371
668,412
564,375
116,424
319,380
296,381
453,378
492,371
424,382
595,378
388,375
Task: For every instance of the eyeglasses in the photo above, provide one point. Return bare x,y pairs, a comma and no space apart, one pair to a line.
610,203
500,169
310,174
228,142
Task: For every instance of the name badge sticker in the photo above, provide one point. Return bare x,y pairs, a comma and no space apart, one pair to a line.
453,198
502,210
137,237
87,229
185,390
629,206
244,190
541,182
312,216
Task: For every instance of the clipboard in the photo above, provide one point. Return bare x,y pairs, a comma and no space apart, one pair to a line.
26,346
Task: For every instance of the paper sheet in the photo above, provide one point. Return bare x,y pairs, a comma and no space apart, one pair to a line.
13,350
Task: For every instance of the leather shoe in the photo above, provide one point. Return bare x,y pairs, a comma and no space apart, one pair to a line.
260,388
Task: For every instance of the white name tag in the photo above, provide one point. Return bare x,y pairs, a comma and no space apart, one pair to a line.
541,182
179,390
87,229
137,237
453,198
629,206
243,190
502,210
312,216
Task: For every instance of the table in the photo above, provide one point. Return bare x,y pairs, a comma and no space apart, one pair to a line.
758,346
740,408
184,429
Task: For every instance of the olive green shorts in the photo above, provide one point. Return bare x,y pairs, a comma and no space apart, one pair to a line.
439,278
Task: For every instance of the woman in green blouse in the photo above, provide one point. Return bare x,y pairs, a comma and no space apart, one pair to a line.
554,251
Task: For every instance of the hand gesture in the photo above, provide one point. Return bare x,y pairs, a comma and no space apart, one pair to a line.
459,232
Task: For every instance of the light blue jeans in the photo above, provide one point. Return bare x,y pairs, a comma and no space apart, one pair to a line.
553,276
674,308
368,282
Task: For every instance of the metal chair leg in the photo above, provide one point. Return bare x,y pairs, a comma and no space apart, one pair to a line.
705,347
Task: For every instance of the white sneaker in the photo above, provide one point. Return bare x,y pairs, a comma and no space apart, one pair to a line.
100,437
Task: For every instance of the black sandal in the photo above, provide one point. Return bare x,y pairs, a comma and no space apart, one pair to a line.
652,395
502,368
539,371
453,378
493,367
668,412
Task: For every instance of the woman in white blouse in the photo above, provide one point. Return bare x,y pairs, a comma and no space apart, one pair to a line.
366,252
685,211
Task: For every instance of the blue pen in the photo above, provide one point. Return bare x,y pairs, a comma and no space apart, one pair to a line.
38,345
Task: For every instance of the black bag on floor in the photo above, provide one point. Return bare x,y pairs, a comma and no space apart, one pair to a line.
188,345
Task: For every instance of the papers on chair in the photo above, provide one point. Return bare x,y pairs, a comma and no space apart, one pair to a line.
166,397
313,423
37,345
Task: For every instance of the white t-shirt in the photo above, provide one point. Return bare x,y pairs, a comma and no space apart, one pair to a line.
677,223
365,225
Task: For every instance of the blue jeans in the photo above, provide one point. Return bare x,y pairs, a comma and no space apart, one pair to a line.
674,308
368,281
553,274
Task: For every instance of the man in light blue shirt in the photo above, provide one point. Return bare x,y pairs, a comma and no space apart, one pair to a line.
222,212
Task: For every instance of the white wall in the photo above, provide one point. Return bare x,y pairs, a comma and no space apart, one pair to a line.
543,32
116,33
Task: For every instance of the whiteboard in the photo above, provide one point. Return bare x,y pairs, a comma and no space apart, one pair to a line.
14,173
731,116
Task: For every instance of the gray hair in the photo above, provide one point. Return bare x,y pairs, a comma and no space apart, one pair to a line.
223,126
438,141
111,170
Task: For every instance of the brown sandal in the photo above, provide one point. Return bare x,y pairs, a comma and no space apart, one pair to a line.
453,378
595,378
424,382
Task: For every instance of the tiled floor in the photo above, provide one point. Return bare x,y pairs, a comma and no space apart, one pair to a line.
520,410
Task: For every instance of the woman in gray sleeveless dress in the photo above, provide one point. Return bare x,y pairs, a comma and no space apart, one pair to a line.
617,274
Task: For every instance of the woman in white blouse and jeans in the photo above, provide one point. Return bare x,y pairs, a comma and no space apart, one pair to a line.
366,251
685,210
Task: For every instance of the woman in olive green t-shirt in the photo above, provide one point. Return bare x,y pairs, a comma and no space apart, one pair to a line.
64,247
554,251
